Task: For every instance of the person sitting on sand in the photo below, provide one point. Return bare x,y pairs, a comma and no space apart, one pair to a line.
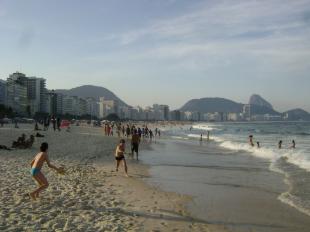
36,166
3,147
119,155
29,142
38,135
135,141
20,141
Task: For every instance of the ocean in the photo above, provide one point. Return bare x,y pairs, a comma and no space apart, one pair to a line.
242,187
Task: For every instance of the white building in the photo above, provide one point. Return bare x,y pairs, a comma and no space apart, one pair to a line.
17,93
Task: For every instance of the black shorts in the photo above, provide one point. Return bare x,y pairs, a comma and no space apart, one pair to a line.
120,157
135,147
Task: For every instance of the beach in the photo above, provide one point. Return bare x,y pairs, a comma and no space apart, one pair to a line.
91,196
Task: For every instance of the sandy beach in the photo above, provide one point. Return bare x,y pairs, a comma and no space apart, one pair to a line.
91,196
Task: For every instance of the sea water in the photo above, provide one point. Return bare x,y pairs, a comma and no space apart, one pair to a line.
227,176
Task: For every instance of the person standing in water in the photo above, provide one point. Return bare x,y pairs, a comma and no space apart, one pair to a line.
280,144
36,166
258,144
293,144
201,138
120,157
251,140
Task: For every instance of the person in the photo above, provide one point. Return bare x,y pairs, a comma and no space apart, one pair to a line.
36,127
135,141
37,175
208,135
53,120
158,133
29,142
293,144
258,144
127,131
119,156
280,144
201,138
16,125
20,142
3,147
251,140
38,135
58,124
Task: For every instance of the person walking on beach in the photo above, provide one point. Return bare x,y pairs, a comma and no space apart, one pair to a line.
36,166
53,120
135,141
120,157
58,124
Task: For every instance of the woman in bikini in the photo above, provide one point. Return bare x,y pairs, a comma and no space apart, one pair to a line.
119,155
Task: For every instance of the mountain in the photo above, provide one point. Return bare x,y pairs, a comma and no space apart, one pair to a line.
258,109
206,105
91,91
257,100
297,114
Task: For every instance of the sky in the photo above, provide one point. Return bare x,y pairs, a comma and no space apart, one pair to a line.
163,51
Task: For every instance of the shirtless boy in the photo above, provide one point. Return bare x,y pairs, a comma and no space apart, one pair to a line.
119,155
36,165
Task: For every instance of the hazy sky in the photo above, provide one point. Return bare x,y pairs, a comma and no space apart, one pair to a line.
164,51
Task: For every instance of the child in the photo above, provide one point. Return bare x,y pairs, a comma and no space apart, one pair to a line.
36,165
119,155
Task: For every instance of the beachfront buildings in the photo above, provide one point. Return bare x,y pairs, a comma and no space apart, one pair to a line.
25,95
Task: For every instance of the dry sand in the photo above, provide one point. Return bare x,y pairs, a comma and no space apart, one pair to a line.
91,196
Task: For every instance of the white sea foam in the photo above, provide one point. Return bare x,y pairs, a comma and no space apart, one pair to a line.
297,157
294,201
205,127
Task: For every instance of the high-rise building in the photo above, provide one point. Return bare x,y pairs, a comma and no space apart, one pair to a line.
3,92
54,103
37,94
17,93
247,112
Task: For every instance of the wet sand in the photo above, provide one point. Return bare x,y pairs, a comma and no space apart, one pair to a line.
91,196
229,188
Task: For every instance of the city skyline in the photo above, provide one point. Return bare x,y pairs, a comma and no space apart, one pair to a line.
163,51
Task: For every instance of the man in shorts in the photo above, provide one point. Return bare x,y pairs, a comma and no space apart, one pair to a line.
135,141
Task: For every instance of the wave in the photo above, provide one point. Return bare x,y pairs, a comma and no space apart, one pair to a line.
297,157
205,127
294,201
